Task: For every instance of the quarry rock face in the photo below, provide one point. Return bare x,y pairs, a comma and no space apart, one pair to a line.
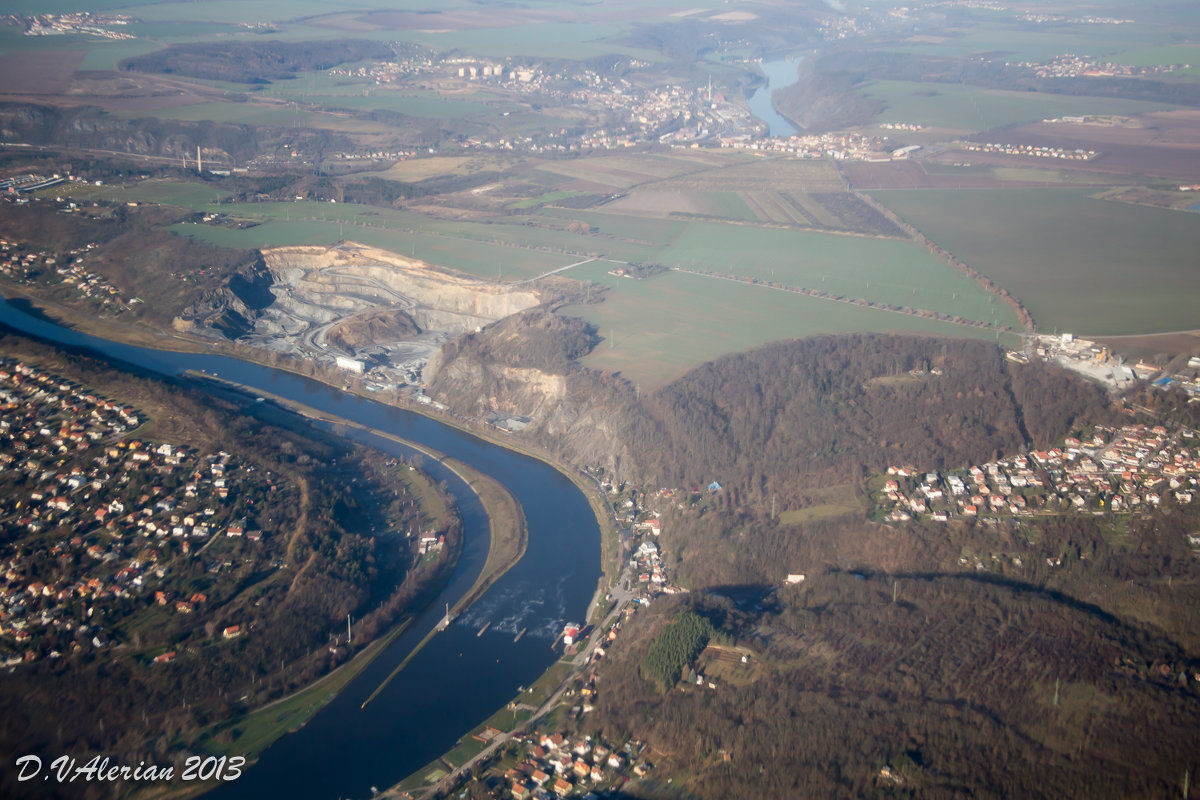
322,285
295,294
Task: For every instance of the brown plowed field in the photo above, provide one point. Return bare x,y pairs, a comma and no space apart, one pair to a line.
39,72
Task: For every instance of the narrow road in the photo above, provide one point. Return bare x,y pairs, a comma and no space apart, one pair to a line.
564,269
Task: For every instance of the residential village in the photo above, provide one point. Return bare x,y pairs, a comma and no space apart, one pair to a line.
1073,66
25,265
1035,151
543,761
99,526
1114,470
557,765
647,576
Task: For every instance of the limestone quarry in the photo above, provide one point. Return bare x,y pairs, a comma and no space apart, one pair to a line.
356,307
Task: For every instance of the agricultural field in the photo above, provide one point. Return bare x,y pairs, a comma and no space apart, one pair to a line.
265,114
229,12
836,211
1188,54
740,172
418,169
626,237
1164,144
985,34
967,108
1078,264
320,90
197,196
541,39
483,250
667,203
891,272
622,172
888,271
654,330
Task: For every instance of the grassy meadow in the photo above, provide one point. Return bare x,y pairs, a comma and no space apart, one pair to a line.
969,108
1079,264
655,330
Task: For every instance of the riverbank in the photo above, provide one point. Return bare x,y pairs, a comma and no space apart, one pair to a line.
69,317
508,533
598,507
610,557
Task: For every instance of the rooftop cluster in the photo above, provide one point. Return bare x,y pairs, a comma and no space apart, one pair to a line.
25,265
1117,470
98,527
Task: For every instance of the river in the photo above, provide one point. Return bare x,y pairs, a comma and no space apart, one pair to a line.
458,679
779,74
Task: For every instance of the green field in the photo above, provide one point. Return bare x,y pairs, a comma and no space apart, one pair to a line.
618,172
987,34
477,258
197,196
1163,56
881,270
362,97
948,105
266,114
884,271
484,250
1078,264
105,55
537,39
230,11
655,330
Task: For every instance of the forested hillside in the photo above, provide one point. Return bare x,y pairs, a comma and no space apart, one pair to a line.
1052,656
259,62
857,401
893,670
776,420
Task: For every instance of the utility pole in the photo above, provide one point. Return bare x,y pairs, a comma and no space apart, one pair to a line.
349,638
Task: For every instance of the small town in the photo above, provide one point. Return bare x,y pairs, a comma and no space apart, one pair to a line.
641,114
671,114
100,526
81,22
